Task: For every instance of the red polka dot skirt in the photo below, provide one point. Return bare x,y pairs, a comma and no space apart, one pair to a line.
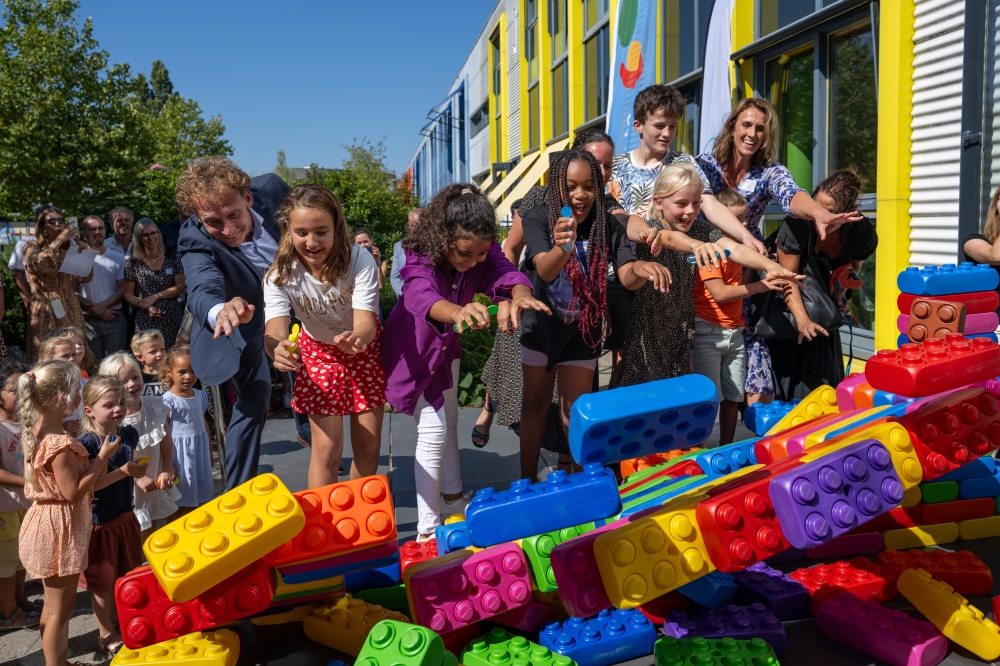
335,383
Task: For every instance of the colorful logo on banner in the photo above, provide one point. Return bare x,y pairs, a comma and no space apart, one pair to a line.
632,68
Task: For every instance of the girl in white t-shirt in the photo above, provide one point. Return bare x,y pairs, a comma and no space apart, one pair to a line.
332,285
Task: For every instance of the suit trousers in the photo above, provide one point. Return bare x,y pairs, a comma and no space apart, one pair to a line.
253,396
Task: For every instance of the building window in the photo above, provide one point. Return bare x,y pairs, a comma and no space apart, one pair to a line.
497,93
480,119
557,28
776,14
531,38
596,57
853,109
533,137
790,90
685,26
686,138
560,99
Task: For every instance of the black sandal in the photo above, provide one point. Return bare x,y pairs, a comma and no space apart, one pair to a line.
31,606
476,435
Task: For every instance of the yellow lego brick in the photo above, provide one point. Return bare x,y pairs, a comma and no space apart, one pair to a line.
918,537
897,442
979,528
951,613
911,497
283,589
200,550
297,614
814,438
344,625
214,648
656,554
818,403
455,518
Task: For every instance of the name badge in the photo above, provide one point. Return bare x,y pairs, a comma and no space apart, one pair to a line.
170,270
748,185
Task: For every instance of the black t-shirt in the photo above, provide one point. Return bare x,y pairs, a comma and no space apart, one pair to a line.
151,384
966,257
116,499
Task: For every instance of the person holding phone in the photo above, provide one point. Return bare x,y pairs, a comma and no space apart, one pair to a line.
363,237
53,300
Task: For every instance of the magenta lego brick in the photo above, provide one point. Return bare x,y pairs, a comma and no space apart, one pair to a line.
889,635
736,622
577,577
834,493
787,598
846,546
947,279
367,554
609,637
845,392
983,324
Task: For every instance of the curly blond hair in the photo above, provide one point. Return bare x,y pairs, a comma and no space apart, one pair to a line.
208,178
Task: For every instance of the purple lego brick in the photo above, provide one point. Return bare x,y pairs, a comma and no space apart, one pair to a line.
736,622
831,494
610,637
889,635
787,598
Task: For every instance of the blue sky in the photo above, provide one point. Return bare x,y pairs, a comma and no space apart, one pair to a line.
304,77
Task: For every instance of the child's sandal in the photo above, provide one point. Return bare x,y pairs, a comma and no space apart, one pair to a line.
111,643
19,619
31,606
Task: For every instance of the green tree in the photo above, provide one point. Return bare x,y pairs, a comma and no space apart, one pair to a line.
72,129
281,168
155,94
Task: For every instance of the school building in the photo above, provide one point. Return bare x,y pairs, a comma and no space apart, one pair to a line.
904,90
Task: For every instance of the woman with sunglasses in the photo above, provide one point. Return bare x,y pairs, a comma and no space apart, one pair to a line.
53,297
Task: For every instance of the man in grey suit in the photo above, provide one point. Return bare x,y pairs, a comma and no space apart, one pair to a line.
226,248
399,257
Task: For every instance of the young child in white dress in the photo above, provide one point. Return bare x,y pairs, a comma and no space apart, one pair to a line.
192,450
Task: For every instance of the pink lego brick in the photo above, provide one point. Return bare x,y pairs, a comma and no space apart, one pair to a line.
845,391
889,635
580,586
469,589
984,322
847,545
796,444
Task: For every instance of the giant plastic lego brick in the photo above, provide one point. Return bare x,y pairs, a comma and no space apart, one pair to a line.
660,608
979,528
958,510
653,487
772,448
610,637
528,509
896,441
633,465
951,613
577,576
500,648
820,402
905,340
847,545
342,569
889,635
831,494
727,459
392,597
845,391
455,641
469,589
200,550
761,417
397,643
683,467
379,577
933,366
345,624
920,536
147,616
965,572
340,517
699,651
931,318
974,302
553,601
848,421
787,598
975,324
786,556
412,552
284,589
294,614
632,421
947,279
450,538
538,550
874,416
861,577
213,648
938,491
732,621
530,617
980,468
978,488
688,485
864,395
349,562
712,590
893,519
952,430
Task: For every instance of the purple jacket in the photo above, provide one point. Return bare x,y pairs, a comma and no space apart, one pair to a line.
416,349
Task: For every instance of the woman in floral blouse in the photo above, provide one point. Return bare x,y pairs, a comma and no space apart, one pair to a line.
743,159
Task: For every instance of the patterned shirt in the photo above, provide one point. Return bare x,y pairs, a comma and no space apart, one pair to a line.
632,185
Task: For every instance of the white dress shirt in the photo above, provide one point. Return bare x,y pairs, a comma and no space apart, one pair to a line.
259,250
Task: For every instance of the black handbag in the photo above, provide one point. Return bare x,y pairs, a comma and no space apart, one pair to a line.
770,318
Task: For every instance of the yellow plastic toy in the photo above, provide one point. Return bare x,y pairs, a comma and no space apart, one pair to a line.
897,443
144,460
951,613
918,537
214,648
293,337
818,403
203,548
979,528
911,497
814,438
344,625
455,518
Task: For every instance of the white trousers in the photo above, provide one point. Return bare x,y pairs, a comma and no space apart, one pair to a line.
436,468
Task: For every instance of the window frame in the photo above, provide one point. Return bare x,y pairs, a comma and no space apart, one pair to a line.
973,197
496,90
592,33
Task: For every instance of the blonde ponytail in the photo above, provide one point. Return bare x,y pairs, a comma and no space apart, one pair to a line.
44,388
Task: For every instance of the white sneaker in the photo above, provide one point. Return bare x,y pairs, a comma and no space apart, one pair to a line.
449,507
421,538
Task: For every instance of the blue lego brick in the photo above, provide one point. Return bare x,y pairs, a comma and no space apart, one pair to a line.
451,537
528,509
787,598
835,493
976,488
980,468
902,339
736,622
342,570
947,279
655,487
374,578
727,459
711,591
610,637
632,509
760,417
634,421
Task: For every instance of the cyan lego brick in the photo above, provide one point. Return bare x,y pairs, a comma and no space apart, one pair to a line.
658,499
375,577
343,570
903,339
610,637
727,459
947,279
760,417
983,487
711,591
451,537
980,468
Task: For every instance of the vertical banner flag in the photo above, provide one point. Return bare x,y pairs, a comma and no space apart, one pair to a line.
633,67
716,90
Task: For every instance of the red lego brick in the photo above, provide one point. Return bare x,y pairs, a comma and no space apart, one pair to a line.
975,302
956,510
340,517
954,429
683,468
934,318
658,609
918,370
962,570
895,519
412,552
861,577
147,616
633,465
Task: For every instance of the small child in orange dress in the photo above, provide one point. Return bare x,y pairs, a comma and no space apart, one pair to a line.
59,478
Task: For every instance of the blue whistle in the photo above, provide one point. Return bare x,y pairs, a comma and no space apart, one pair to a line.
567,212
691,259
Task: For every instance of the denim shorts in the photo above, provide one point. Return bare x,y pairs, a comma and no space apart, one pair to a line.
719,354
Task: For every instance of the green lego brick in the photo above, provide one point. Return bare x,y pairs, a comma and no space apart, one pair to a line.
499,648
392,597
938,491
539,549
713,652
449,659
629,503
401,644
997,501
